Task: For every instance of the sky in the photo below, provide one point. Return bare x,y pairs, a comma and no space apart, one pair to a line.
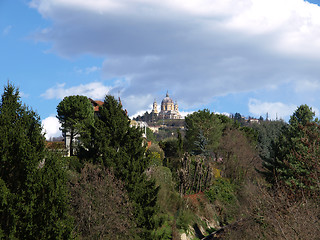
248,56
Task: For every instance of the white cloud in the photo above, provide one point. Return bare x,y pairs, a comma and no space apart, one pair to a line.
196,49
139,113
137,104
94,90
289,24
224,113
51,127
273,109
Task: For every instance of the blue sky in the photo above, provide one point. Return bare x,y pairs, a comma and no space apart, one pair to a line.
246,56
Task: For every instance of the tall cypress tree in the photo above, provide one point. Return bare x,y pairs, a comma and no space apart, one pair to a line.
115,144
31,199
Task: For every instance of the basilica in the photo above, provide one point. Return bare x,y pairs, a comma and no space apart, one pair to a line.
169,109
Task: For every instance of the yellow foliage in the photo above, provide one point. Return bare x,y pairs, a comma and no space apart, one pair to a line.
216,172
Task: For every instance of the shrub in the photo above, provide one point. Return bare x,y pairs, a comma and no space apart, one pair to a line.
222,190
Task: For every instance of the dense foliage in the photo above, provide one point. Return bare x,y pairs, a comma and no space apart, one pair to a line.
203,131
74,113
112,142
217,178
33,193
295,162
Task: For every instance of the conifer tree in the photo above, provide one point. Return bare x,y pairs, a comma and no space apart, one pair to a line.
203,132
115,144
33,197
295,162
74,112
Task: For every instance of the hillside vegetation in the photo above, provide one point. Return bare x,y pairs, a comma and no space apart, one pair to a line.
216,179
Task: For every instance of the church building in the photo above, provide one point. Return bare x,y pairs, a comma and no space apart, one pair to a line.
169,109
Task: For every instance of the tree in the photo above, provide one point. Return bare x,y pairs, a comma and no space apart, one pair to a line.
295,163
203,132
113,143
268,132
100,205
33,194
74,112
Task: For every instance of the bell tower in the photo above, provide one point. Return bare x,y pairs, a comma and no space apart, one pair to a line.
155,107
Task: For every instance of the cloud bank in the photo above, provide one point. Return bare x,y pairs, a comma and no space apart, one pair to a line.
197,49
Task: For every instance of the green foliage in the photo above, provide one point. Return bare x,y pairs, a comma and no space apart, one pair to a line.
295,161
156,149
302,116
52,201
251,134
170,147
112,142
155,159
203,132
34,199
222,194
150,136
268,132
74,112
222,190
163,227
185,218
74,163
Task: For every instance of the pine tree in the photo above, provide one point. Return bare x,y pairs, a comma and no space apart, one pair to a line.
203,127
74,112
115,144
32,189
295,162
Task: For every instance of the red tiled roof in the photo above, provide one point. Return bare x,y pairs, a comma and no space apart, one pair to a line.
96,104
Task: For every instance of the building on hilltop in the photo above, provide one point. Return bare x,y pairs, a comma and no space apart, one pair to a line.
169,109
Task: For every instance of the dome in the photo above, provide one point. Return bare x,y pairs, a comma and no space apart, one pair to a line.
167,99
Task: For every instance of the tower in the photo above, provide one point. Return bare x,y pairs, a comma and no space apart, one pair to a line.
155,107
176,107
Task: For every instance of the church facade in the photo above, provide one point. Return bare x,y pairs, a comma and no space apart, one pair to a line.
169,109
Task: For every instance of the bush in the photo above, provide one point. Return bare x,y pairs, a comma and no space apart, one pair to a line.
155,159
156,148
223,194
222,190
74,163
185,218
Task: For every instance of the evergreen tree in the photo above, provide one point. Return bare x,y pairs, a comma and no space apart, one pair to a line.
74,112
113,143
32,189
295,162
268,132
203,132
